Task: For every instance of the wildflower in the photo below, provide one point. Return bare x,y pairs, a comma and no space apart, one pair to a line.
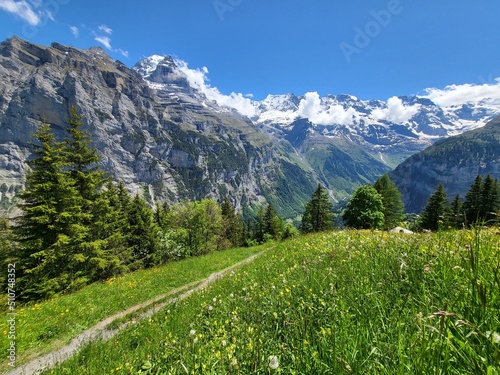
192,332
273,362
494,336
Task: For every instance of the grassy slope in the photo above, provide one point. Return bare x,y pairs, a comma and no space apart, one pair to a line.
48,325
348,302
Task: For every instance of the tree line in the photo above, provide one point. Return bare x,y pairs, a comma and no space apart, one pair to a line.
481,206
77,226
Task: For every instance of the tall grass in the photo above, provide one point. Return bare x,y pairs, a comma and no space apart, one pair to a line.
44,326
338,303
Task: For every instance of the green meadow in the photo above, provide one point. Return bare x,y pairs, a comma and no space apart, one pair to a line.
351,302
49,325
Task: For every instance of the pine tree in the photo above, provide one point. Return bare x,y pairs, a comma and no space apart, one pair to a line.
82,160
318,215
232,224
490,201
271,223
49,221
365,209
391,199
143,232
473,202
456,217
435,212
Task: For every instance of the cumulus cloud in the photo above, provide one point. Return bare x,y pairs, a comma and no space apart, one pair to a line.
396,111
454,95
23,10
75,31
311,108
198,79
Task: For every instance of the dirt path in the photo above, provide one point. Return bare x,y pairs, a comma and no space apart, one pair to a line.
100,331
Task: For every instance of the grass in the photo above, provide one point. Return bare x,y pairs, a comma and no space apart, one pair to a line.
341,303
46,326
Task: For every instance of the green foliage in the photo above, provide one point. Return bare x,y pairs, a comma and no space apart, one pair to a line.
436,211
232,226
51,324
69,231
456,216
318,214
352,302
365,209
197,227
482,204
391,200
142,233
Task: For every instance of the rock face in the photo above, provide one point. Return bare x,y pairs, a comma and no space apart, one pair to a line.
160,134
157,135
455,162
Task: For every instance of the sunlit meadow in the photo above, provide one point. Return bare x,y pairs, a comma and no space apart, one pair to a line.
49,325
335,303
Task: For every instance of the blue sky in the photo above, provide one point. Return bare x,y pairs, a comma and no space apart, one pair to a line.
373,49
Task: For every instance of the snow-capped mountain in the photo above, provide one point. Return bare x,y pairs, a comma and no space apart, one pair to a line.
411,122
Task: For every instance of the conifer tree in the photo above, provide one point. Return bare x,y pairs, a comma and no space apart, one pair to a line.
391,199
232,224
142,236
271,223
49,221
473,202
82,160
318,215
435,212
365,209
456,217
490,201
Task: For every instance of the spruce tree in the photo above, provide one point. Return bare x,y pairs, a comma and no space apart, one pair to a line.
49,221
365,209
456,217
318,215
143,233
473,202
271,223
391,199
490,201
435,212
232,224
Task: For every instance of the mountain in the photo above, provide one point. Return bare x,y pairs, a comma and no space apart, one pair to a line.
455,161
168,137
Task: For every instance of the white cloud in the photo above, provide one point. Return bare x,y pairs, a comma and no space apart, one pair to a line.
311,108
75,31
105,41
198,79
124,53
106,29
23,10
460,94
396,111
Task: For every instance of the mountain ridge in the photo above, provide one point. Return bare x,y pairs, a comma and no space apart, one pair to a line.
455,162
159,128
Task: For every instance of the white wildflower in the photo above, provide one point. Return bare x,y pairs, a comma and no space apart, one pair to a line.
273,362
192,332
